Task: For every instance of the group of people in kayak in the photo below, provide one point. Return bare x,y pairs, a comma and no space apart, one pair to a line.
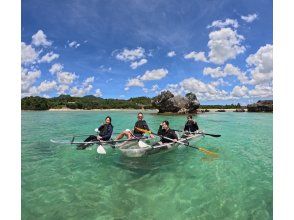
141,128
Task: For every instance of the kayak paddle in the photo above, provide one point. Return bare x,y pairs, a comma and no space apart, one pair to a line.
186,144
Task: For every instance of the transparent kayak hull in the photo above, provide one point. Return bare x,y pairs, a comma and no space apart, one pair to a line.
141,148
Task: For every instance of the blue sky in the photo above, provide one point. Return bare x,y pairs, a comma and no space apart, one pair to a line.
220,50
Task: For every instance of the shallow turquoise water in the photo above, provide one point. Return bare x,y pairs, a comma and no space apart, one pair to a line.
59,182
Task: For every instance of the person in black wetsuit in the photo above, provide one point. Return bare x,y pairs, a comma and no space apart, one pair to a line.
135,133
191,125
105,132
165,131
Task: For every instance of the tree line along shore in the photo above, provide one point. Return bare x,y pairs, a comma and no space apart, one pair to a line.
67,102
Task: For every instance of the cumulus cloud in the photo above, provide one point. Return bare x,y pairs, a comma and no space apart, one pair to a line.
171,54
200,56
28,54
55,68
134,82
88,81
84,89
262,91
40,39
98,93
229,70
240,91
66,77
136,64
46,86
261,65
154,89
61,89
131,55
155,74
235,71
214,72
28,78
224,44
249,18
49,57
74,44
225,23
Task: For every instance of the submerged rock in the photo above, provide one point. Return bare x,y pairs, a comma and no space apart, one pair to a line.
168,102
261,106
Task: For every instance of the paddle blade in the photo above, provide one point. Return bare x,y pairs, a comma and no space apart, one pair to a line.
101,150
208,152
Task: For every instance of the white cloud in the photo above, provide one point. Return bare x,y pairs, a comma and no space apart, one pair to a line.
235,71
134,82
214,72
66,77
46,86
263,91
55,68
61,89
40,39
220,82
88,81
74,44
79,92
49,57
249,18
136,64
200,56
131,55
156,74
154,89
240,91
261,64
28,54
224,44
171,54
98,93
222,24
229,70
28,78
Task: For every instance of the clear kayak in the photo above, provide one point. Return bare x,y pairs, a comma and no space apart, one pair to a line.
142,148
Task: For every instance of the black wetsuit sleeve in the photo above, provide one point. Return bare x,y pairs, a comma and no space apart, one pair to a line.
196,126
186,128
160,131
173,135
101,127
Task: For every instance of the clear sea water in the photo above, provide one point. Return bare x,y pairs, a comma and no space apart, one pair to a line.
60,182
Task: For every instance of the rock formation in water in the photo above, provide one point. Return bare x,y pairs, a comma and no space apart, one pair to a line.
168,102
261,106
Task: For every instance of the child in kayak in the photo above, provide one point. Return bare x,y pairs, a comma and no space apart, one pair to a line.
105,132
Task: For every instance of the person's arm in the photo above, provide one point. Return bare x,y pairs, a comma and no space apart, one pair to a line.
108,133
186,128
101,127
160,132
196,125
174,135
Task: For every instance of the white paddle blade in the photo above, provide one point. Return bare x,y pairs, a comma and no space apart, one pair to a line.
142,144
101,150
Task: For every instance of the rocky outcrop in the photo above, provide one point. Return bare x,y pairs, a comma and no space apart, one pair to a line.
261,106
168,102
